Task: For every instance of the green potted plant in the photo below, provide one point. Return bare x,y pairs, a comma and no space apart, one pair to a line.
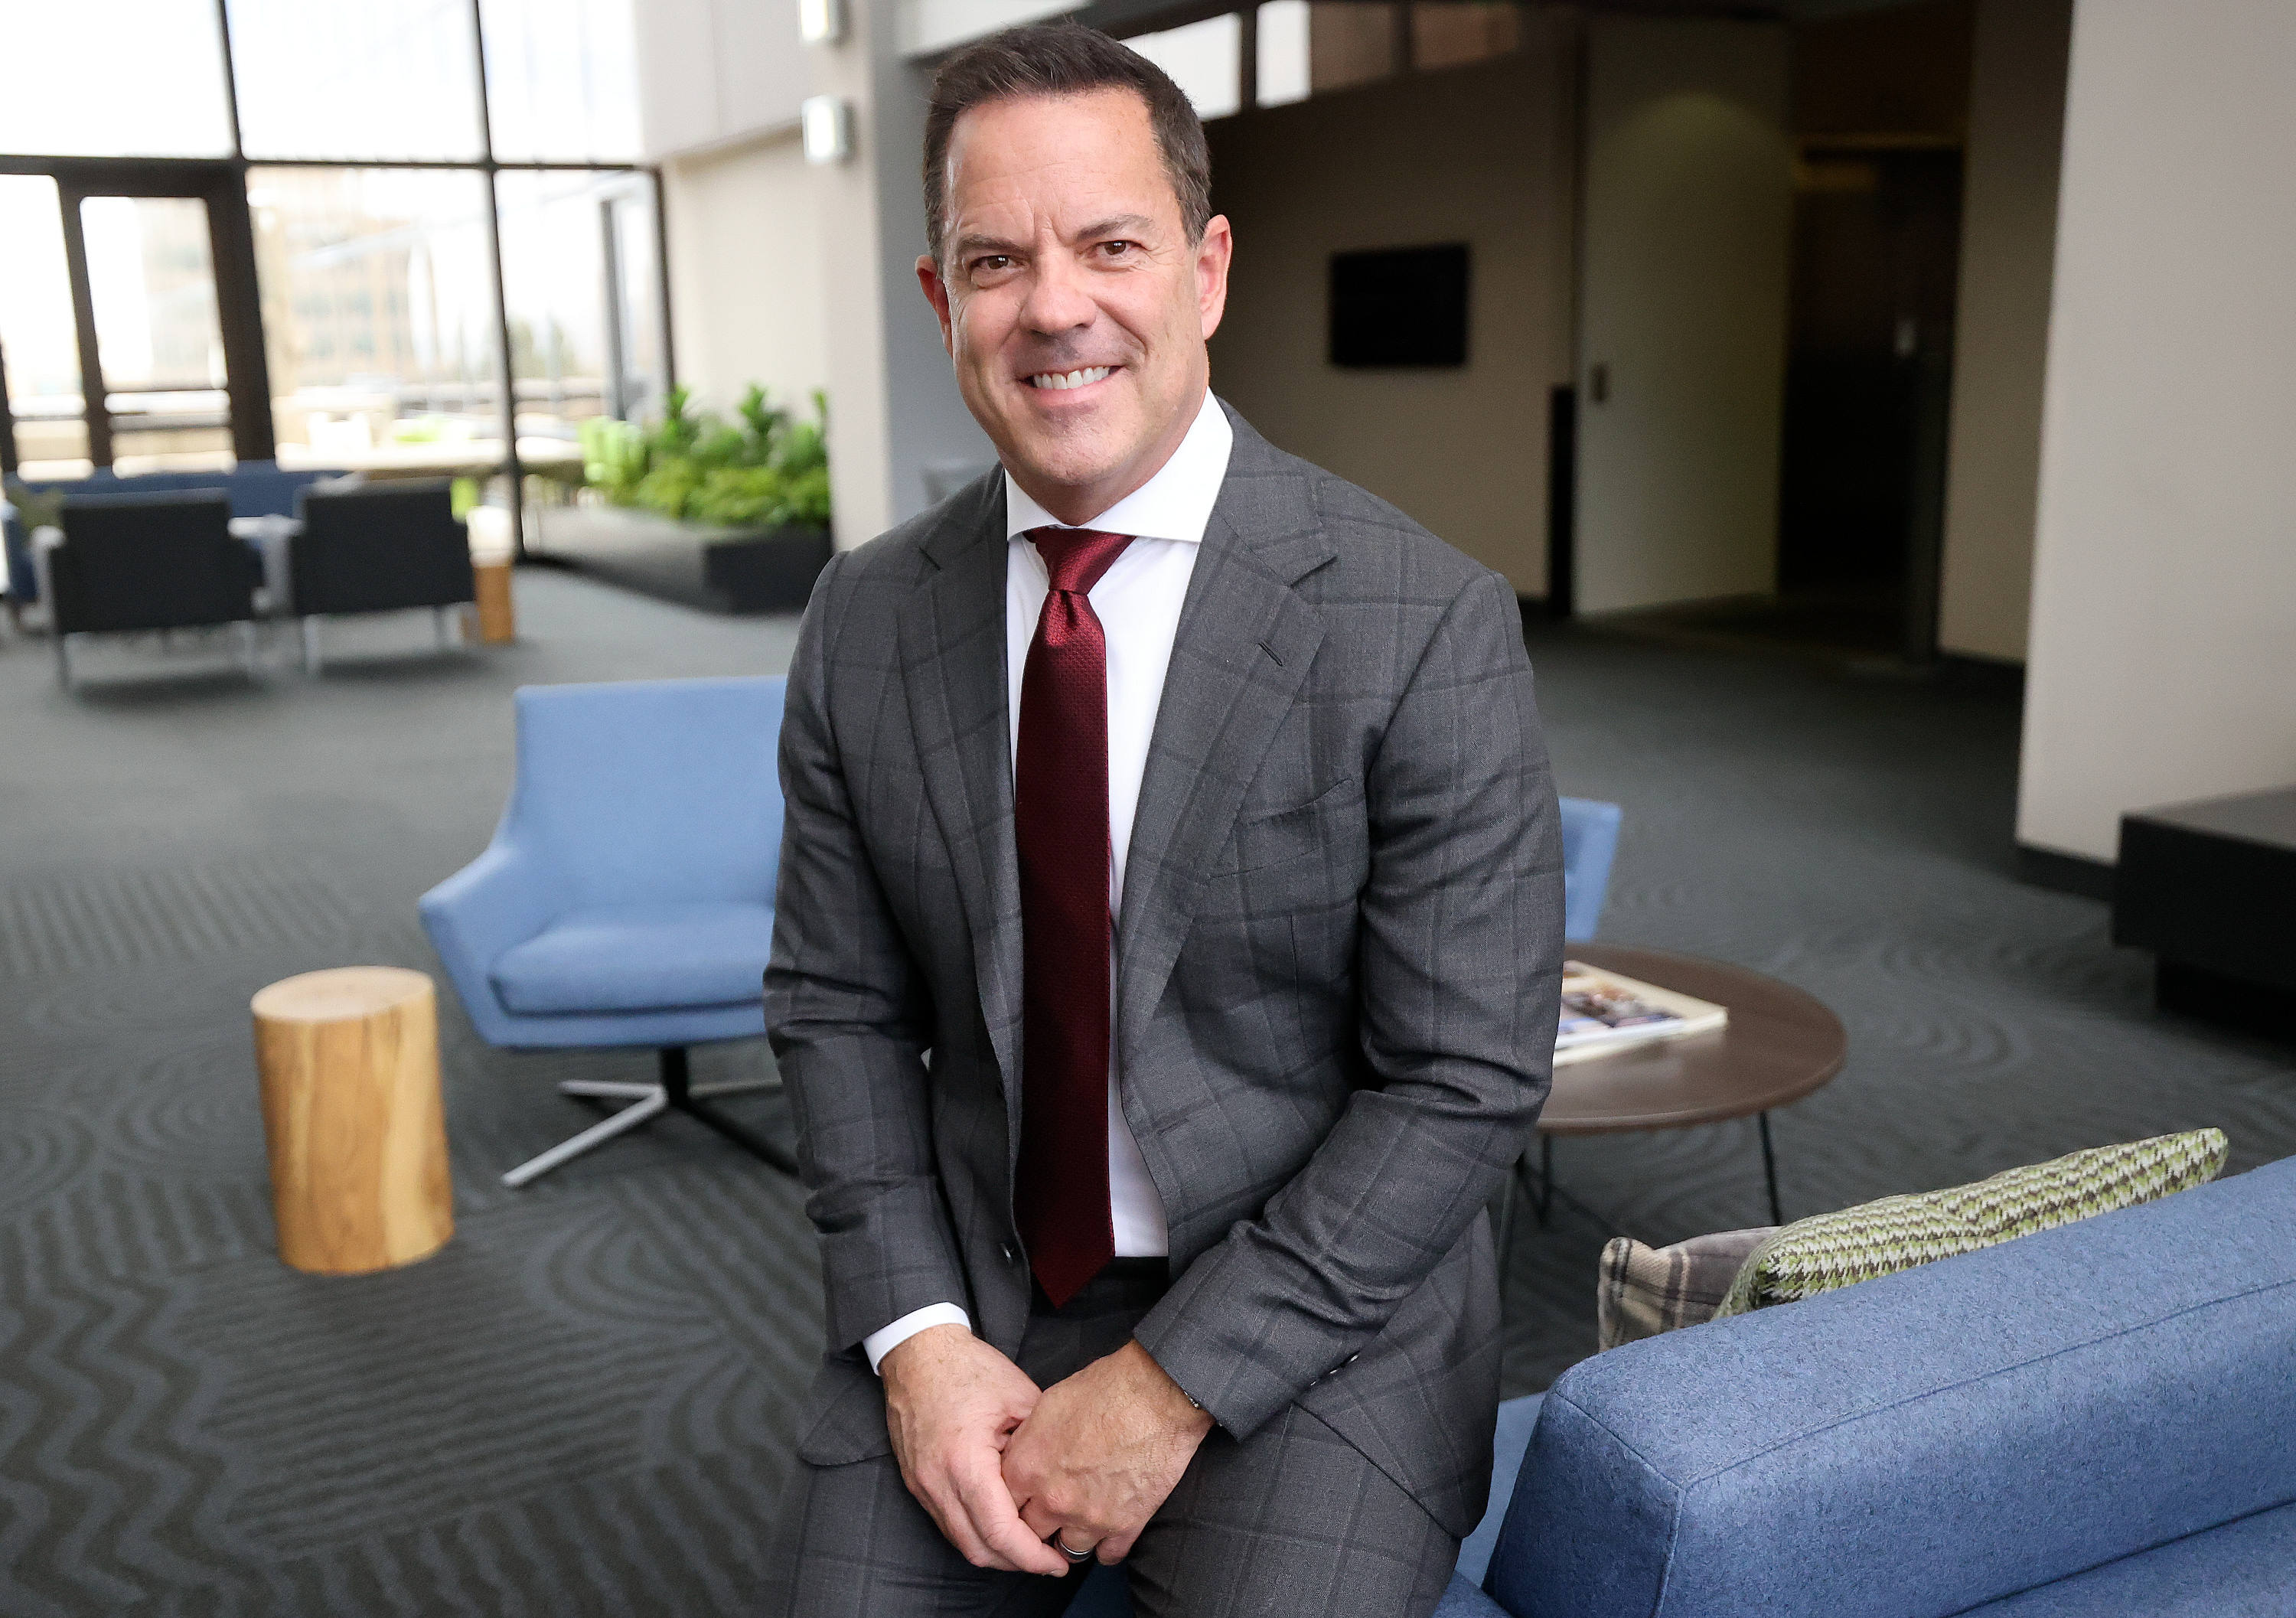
763,479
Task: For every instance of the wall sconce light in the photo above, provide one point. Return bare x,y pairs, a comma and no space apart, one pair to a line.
821,21
827,122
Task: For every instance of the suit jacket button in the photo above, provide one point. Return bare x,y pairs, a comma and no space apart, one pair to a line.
1011,1253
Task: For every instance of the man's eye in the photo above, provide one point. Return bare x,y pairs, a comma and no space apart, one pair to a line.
991,264
1117,250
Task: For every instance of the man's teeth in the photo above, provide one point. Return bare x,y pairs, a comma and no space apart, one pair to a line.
1070,379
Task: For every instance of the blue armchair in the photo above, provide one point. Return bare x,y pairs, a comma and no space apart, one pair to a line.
626,898
1590,841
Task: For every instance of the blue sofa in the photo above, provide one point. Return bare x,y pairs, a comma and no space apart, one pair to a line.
256,488
2099,1419
2096,1422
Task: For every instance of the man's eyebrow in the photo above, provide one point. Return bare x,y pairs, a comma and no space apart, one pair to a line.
1123,224
976,243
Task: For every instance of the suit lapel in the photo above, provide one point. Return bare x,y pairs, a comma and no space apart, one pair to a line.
1240,655
952,653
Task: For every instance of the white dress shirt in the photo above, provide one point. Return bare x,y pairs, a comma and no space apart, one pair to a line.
1137,602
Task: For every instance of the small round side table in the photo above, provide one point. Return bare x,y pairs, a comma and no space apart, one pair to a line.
1780,1046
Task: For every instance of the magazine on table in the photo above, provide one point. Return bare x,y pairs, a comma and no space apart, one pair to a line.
1604,1011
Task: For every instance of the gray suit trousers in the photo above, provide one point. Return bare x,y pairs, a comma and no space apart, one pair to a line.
1290,1520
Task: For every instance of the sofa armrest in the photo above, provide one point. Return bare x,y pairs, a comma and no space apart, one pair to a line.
500,899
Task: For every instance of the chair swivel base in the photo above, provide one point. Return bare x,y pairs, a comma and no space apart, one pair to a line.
673,1092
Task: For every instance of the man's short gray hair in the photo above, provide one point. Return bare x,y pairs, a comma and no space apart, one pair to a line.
1064,59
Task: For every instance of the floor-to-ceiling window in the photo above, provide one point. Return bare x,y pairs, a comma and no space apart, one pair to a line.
402,237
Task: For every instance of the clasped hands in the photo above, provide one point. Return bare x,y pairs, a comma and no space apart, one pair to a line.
1002,1465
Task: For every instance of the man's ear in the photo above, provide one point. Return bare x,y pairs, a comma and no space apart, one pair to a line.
1213,255
936,294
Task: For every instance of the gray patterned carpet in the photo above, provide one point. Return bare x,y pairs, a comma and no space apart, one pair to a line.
583,1404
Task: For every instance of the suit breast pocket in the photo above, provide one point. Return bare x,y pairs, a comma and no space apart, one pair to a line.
1278,909
1328,826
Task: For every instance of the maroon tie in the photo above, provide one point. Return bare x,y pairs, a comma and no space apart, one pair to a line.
1060,821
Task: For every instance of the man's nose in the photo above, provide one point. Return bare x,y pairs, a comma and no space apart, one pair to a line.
1059,298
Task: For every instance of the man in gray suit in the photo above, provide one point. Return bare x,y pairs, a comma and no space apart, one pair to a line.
1169,934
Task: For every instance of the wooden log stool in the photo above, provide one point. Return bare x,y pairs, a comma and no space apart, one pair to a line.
493,618
352,1116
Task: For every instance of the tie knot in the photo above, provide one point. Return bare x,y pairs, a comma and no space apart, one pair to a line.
1077,557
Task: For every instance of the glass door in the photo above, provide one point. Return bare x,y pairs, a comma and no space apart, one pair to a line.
42,433
130,333
159,332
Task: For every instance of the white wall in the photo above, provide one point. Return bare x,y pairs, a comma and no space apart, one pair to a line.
937,25
711,72
745,273
894,407
1480,155
2163,649
1684,300
2008,249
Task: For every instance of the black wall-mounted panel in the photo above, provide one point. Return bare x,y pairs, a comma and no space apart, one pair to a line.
1400,307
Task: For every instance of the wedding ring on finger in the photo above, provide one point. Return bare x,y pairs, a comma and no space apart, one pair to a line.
1060,1545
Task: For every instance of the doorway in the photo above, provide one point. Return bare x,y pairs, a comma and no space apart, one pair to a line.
1880,118
165,365
1868,385
1684,249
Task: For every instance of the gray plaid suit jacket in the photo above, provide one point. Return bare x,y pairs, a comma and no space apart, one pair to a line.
1337,962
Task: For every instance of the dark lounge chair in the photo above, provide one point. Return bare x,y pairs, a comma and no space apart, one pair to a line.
131,562
377,548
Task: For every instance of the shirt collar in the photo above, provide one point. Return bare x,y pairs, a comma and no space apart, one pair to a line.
1176,503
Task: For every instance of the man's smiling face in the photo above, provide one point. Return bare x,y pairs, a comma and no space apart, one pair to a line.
1070,299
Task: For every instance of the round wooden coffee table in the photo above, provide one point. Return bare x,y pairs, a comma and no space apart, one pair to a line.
1779,1045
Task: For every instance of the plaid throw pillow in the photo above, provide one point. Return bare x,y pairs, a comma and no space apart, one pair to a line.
1815,1255
1640,1292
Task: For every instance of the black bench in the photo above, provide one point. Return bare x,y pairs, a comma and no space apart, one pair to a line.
2210,888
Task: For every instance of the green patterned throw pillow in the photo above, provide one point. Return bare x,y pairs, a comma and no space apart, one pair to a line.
1815,1255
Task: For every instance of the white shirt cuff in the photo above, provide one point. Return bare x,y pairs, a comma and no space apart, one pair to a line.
885,1339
